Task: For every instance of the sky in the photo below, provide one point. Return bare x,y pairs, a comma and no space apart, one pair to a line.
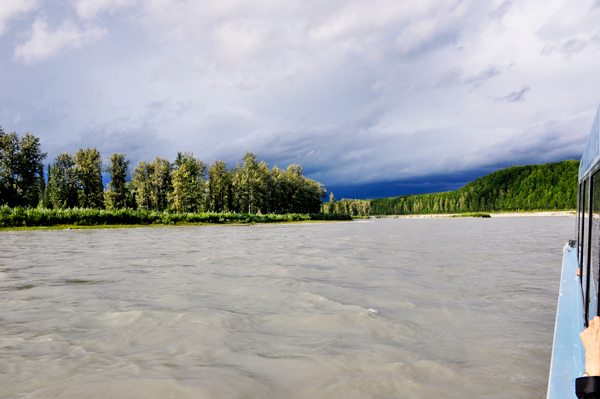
373,98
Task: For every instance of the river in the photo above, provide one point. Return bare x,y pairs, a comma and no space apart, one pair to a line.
394,308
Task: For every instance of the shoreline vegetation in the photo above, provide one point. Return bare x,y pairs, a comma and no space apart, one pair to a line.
544,187
80,218
507,214
18,217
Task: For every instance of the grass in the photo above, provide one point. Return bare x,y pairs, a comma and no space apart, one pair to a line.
472,215
85,217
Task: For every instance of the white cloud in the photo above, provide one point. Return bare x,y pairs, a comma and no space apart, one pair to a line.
45,43
10,9
237,31
88,9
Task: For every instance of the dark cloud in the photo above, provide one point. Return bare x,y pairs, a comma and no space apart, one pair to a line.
434,183
431,184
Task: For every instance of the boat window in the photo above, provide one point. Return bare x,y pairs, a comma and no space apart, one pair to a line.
595,246
581,207
584,236
580,214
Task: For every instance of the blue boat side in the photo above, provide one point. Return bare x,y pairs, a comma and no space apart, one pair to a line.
568,355
578,297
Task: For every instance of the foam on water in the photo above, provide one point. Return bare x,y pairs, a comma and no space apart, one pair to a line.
385,309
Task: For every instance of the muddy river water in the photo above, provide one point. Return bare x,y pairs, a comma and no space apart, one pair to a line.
448,308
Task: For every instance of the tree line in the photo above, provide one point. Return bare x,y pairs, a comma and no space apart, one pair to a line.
186,185
530,187
346,206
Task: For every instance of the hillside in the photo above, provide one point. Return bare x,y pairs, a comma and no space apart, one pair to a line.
530,187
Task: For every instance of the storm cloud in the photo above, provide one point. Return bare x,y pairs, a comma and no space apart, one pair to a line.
383,95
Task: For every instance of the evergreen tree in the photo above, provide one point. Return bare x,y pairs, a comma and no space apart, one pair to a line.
46,203
331,204
42,201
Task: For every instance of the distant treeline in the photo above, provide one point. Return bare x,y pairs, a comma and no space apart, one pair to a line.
187,185
345,206
531,187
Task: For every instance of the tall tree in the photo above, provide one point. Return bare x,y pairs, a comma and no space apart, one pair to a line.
264,188
152,182
140,182
160,183
62,182
45,202
188,184
279,192
21,169
88,168
219,187
115,196
305,195
249,185
331,204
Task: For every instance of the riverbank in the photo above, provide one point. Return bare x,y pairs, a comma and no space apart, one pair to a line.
135,226
11,218
491,214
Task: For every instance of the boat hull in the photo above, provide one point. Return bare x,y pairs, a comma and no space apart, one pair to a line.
568,355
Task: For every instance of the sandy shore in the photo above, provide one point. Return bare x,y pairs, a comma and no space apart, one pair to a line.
494,215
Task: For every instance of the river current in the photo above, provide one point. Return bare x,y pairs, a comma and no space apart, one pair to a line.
386,308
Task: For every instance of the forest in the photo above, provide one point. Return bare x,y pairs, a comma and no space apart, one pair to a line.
352,207
531,187
186,185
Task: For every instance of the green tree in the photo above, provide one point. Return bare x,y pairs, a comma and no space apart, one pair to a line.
331,204
21,169
141,184
88,169
280,191
62,182
219,187
304,195
116,194
160,183
248,184
152,183
188,184
45,202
